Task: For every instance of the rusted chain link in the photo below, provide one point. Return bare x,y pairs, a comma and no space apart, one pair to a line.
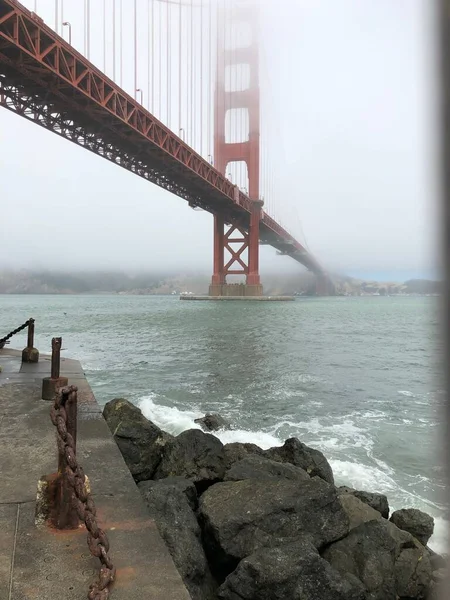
3,340
96,539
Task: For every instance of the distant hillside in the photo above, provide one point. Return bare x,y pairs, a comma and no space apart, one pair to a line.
303,283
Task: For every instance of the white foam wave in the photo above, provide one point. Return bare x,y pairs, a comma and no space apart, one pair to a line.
168,418
405,393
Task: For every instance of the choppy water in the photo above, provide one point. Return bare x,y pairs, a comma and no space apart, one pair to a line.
357,378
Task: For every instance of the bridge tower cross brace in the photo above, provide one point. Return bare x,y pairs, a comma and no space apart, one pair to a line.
227,236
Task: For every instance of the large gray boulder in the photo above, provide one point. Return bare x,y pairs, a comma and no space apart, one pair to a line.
300,455
388,561
170,503
368,553
292,571
239,450
357,512
416,522
258,467
140,441
413,573
212,423
240,517
194,455
378,502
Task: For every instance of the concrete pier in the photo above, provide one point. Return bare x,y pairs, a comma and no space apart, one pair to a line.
38,563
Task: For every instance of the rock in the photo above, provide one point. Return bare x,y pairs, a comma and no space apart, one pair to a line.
357,512
437,561
293,571
212,423
240,517
368,553
258,467
140,441
413,573
309,459
378,502
174,485
343,489
440,574
194,455
388,561
238,450
416,522
168,503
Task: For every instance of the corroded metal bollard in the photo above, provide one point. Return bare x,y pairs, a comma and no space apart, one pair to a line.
62,512
30,354
50,385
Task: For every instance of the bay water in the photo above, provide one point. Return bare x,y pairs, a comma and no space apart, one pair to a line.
358,378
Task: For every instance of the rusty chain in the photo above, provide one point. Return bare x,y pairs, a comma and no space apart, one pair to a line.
97,540
3,340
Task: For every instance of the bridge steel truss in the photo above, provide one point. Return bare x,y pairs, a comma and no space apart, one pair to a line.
45,80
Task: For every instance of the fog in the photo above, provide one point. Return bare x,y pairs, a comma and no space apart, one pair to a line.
353,96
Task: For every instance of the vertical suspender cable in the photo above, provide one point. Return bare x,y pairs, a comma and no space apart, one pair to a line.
153,55
168,63
35,6
56,16
179,66
88,28
160,63
208,97
62,14
149,53
192,76
104,36
121,42
85,27
114,38
201,77
135,49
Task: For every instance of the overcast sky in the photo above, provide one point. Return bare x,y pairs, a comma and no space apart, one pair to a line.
352,88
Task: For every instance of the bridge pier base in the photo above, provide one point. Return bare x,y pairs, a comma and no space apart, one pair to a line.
324,286
235,290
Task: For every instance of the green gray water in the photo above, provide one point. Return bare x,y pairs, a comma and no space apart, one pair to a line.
356,377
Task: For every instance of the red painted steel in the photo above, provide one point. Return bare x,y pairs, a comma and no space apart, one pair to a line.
45,80
246,151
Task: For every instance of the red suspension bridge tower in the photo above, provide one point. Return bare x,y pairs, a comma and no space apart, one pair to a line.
236,248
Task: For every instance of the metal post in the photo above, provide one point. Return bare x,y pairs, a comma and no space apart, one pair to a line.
30,354
30,340
56,357
63,510
51,385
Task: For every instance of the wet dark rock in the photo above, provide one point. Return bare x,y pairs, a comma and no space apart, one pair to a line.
378,502
293,571
170,503
300,455
140,441
258,467
240,517
173,485
238,450
388,561
368,553
413,573
416,522
357,512
194,455
212,423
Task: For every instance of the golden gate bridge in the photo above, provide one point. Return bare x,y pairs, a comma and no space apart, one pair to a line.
188,116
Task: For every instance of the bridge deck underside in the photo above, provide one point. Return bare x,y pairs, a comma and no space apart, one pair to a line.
45,80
